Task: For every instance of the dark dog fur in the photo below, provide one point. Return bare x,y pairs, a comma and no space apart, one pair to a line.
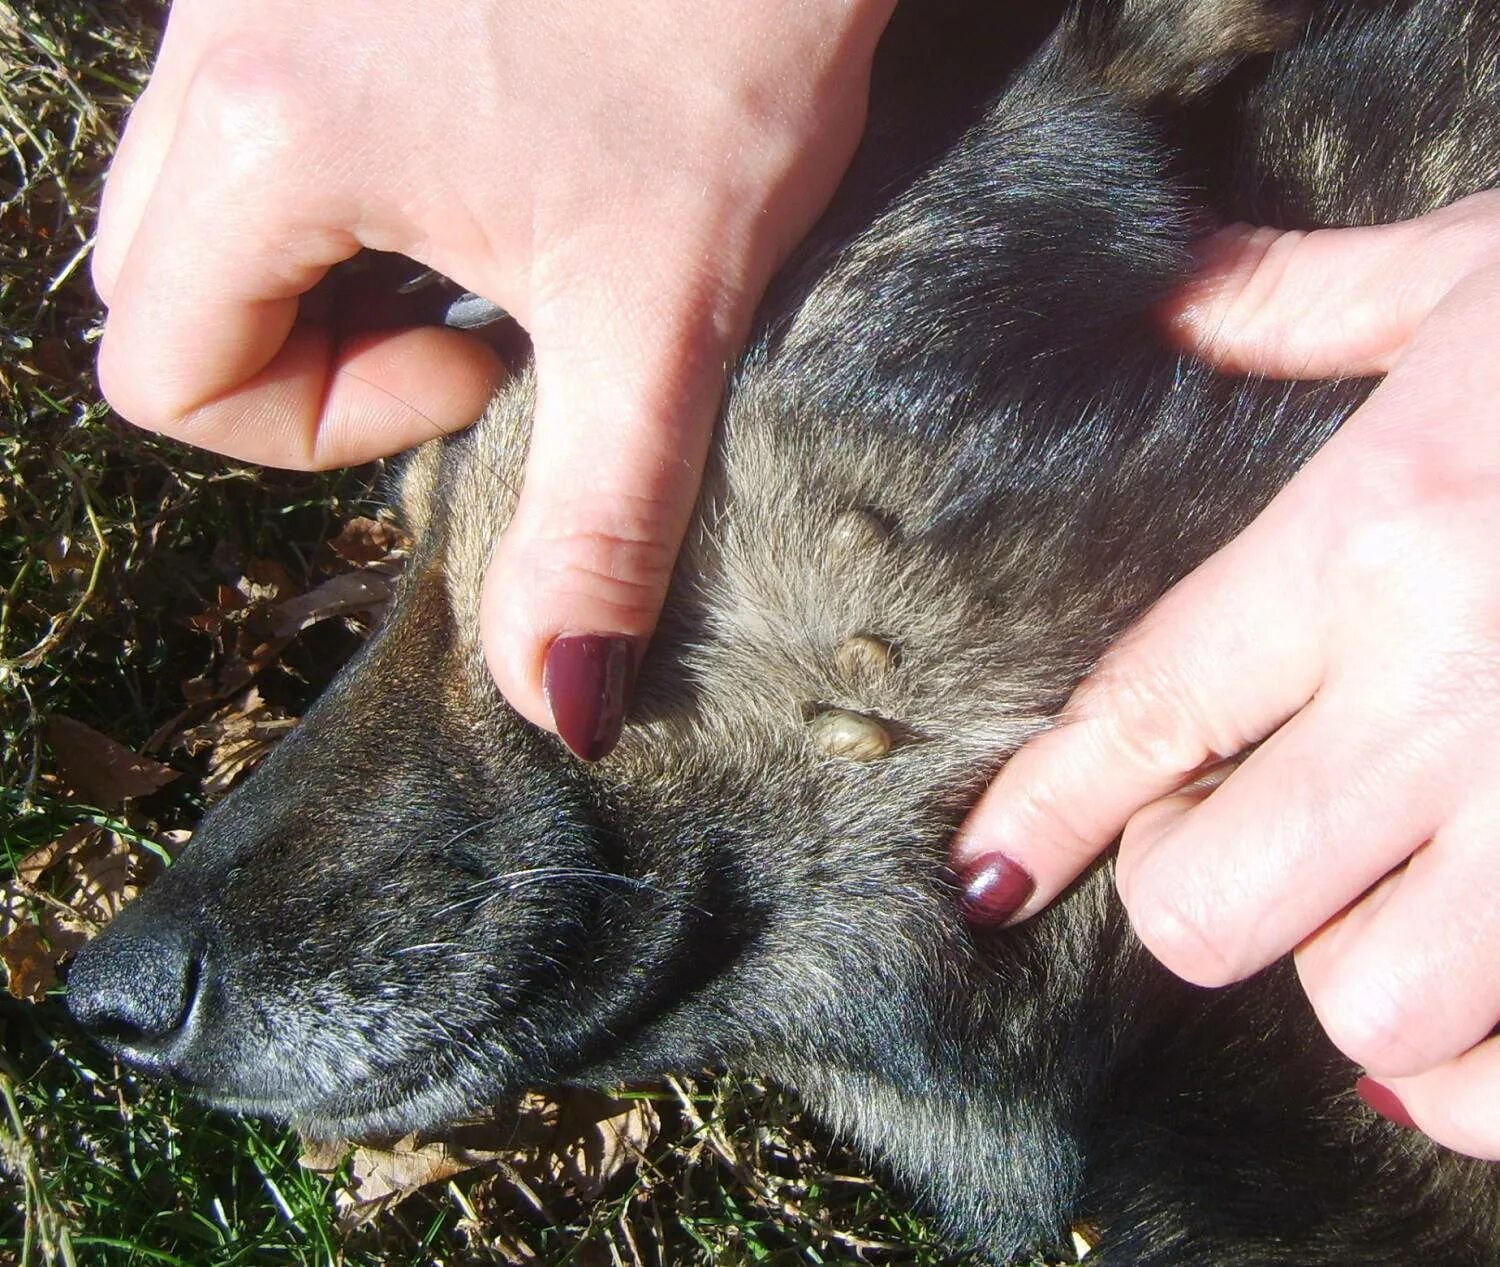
958,434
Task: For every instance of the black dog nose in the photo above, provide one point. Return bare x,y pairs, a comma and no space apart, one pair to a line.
134,984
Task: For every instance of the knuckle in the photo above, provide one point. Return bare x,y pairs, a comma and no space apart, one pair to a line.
252,101
1399,474
1415,580
1266,259
127,387
1410,488
622,573
1464,1122
1375,1025
1180,935
1150,723
135,392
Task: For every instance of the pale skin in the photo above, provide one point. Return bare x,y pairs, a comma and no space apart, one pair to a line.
626,186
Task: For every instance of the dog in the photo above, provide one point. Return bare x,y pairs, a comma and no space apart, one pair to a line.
956,461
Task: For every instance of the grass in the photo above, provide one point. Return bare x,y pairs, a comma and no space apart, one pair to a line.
110,542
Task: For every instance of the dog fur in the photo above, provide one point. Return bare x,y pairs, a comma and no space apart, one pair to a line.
957,441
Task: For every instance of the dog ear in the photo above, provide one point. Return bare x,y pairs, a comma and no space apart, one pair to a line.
1166,52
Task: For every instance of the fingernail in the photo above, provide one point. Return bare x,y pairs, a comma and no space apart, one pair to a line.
1384,1101
586,678
994,888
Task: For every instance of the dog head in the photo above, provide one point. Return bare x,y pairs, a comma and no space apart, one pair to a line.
419,902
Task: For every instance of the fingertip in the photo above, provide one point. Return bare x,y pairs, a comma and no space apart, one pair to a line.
1166,898
994,889
564,621
1385,1102
586,560
513,652
1008,871
576,685
1012,860
586,681
391,390
1455,1104
1143,835
1207,314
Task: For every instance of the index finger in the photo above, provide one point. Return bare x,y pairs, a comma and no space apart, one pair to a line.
201,340
1221,661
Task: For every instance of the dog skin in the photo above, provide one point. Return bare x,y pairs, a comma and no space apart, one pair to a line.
956,461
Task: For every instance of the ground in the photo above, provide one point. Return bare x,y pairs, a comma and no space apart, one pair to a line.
164,617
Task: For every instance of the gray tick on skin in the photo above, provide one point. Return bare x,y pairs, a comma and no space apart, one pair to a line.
838,732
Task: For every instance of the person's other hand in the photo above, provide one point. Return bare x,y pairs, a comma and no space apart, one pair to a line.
1353,633
623,179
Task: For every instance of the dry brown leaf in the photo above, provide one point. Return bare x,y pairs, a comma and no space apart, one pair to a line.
30,970
348,594
322,1156
264,582
64,893
104,874
34,865
89,880
509,1245
398,1171
512,1134
98,770
598,1136
236,737
63,555
364,541
577,1140
252,621
174,840
382,1177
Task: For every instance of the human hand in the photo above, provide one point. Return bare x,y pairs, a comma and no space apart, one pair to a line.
623,180
1353,632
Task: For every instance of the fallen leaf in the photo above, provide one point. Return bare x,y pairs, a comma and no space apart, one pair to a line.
29,968
63,555
174,840
64,893
398,1171
576,1139
598,1136
98,770
348,594
363,541
322,1156
198,691
34,865
237,738
264,582
79,882
104,874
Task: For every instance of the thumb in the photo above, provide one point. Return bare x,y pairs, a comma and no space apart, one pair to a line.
626,403
1331,302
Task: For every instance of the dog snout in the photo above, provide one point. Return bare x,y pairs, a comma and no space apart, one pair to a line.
134,987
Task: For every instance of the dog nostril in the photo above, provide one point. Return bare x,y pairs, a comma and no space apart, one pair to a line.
135,986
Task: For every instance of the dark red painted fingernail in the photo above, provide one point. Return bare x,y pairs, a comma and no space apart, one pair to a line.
586,679
1384,1101
994,888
